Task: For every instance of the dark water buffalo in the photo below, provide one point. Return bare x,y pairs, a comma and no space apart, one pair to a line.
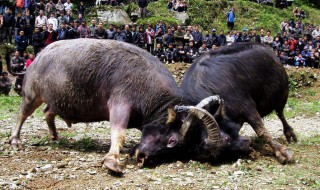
251,83
95,80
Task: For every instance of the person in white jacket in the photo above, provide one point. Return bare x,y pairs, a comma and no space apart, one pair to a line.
52,20
315,32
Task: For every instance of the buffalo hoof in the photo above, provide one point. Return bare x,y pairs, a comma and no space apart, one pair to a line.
111,161
290,136
284,155
15,143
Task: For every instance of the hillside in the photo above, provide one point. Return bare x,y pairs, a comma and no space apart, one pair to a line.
211,14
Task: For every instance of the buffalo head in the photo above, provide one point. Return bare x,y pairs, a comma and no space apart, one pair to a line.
190,132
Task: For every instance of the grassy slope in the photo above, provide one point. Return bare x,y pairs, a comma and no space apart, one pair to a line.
211,14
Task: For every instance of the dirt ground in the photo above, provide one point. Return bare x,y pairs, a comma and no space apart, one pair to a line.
74,161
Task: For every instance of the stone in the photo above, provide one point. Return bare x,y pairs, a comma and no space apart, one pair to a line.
62,165
46,168
114,16
182,17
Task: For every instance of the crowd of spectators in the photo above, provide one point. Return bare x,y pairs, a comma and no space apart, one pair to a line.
296,44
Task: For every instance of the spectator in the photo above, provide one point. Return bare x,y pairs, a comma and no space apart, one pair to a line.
37,40
191,52
83,30
283,58
21,42
300,61
300,44
100,31
302,14
8,25
276,45
93,28
206,38
160,25
255,37
231,16
178,36
25,55
61,19
81,8
197,37
170,53
143,7
62,32
41,20
203,48
128,34
142,38
170,4
159,37
268,39
72,30
185,6
50,7
296,12
49,35
27,25
316,32
80,18
214,38
179,6
292,43
168,38
135,36
181,54
69,16
119,35
30,60
286,47
316,41
159,53
222,40
68,6
18,84
238,38
150,39
5,84
52,20
230,38
17,24
187,38
59,7
110,33
17,63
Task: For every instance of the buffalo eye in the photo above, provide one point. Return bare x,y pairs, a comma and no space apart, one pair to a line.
172,142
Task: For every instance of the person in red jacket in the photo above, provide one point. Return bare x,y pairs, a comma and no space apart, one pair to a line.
30,60
293,43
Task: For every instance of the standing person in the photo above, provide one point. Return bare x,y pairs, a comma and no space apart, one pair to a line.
17,24
143,7
150,39
59,7
230,38
119,35
52,20
72,30
49,35
21,42
168,38
197,37
135,36
93,28
27,23
68,6
41,20
8,25
81,8
110,33
178,36
62,32
222,39
61,19
128,34
255,37
37,40
142,38
99,31
5,84
231,16
83,30
50,7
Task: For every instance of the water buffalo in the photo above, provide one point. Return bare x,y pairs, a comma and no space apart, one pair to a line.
95,80
251,84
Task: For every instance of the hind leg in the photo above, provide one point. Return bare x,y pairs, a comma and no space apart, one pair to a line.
119,119
27,107
50,116
282,153
287,129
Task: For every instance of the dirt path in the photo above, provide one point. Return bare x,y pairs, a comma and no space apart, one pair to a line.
74,163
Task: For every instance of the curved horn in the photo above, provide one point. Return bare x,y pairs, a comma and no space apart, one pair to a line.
8,60
204,105
171,116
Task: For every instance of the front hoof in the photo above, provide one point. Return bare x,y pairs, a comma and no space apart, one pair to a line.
284,155
291,136
15,143
111,161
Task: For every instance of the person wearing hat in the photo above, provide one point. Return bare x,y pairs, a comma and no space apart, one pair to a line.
214,37
231,16
5,84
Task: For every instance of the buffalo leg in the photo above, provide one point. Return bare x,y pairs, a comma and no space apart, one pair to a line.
50,116
27,107
287,129
282,153
119,118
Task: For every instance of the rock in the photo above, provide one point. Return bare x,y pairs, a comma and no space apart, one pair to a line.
4,183
130,166
62,165
181,16
91,172
237,173
114,16
46,168
258,168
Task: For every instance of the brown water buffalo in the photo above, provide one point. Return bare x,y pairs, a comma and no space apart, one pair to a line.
95,80
250,83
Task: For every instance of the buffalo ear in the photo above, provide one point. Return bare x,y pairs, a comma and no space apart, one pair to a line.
172,142
171,116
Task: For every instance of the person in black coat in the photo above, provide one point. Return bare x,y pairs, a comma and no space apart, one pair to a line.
37,40
143,7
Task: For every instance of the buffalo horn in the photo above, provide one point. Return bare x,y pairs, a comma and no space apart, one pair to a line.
171,116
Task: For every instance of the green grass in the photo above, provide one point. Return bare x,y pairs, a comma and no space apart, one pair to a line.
299,107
